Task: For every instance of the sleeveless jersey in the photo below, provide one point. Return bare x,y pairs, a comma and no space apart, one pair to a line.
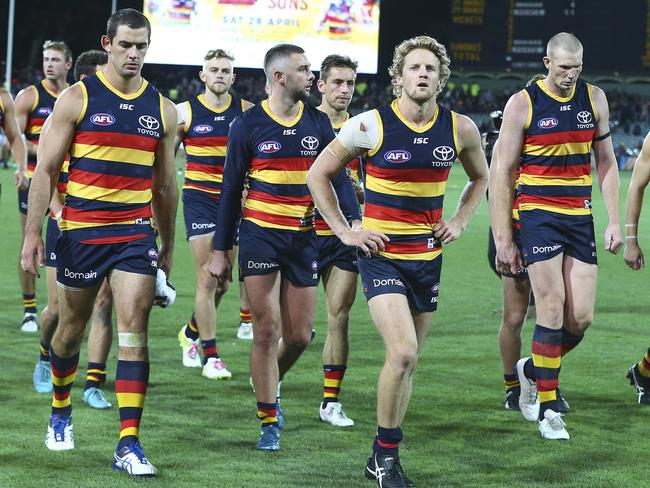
353,168
556,156
111,157
2,114
43,105
205,141
405,180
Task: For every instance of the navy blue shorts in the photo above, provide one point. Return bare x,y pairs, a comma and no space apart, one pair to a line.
22,201
332,252
544,235
200,212
82,265
419,281
263,250
52,235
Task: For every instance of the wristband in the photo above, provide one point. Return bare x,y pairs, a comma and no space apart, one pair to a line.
630,237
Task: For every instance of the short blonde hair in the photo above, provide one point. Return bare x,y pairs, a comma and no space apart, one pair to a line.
60,46
419,42
218,53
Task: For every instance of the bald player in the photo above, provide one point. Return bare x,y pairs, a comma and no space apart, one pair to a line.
551,129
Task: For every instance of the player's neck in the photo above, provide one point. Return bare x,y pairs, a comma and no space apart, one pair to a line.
214,100
283,107
56,86
556,90
337,117
121,84
418,114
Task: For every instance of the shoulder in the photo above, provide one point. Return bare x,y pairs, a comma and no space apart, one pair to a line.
27,93
465,126
365,121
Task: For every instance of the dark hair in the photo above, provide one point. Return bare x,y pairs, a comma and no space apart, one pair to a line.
280,51
60,46
129,17
336,61
88,61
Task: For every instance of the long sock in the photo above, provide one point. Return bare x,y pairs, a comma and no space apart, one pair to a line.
131,380
569,341
245,315
387,441
267,413
95,375
529,370
63,374
45,352
547,357
29,303
209,350
511,381
333,377
644,365
192,329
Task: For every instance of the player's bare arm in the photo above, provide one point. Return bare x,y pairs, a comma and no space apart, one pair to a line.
607,171
327,165
24,103
640,177
52,148
164,191
511,138
16,141
472,158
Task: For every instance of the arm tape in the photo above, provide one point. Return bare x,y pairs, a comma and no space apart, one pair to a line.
603,137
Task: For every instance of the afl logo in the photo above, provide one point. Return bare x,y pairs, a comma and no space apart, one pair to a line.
444,153
152,253
269,147
309,142
203,129
45,111
547,123
102,119
149,122
584,117
397,156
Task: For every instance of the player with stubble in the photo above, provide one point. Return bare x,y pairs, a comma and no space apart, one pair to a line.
409,148
120,132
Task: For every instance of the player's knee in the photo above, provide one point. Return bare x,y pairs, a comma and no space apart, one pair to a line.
298,341
404,358
338,319
67,339
266,336
513,321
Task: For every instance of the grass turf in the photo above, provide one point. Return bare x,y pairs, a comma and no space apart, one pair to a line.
202,433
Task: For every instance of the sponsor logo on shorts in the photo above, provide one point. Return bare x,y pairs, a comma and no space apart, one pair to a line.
547,123
365,288
397,156
545,249
269,147
152,253
102,119
387,282
52,256
255,265
314,265
196,226
79,275
203,129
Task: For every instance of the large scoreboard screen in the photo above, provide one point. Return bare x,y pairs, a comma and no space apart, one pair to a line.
512,34
184,30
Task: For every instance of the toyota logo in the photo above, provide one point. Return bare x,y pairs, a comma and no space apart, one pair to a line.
584,117
309,142
149,122
444,153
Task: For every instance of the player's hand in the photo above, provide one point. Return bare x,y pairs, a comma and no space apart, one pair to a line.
447,231
613,238
369,241
633,255
508,260
165,260
220,266
20,179
32,256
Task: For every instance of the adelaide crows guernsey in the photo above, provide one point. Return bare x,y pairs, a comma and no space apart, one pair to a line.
111,158
44,101
556,156
205,141
405,180
2,114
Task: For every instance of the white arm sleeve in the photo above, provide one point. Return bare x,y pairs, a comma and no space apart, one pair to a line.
352,135
182,112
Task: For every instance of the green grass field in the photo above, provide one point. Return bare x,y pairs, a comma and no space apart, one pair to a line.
201,433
